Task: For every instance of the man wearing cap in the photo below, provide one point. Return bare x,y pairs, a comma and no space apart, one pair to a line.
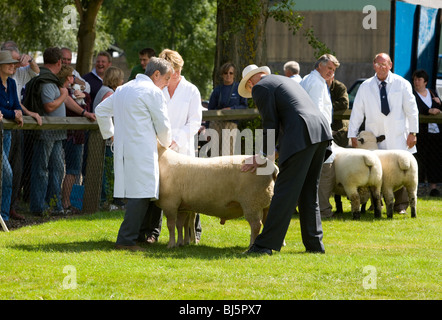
303,135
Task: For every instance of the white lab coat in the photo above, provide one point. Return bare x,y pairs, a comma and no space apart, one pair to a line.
140,117
317,89
185,115
402,119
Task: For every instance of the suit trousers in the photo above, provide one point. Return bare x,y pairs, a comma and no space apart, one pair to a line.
297,184
136,212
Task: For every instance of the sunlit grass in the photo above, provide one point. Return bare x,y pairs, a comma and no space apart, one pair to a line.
366,259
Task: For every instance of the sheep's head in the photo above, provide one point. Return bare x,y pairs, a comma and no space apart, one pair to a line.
367,140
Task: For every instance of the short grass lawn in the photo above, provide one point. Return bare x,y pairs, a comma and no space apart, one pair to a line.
370,259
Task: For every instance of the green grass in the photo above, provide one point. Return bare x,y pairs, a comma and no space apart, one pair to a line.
366,259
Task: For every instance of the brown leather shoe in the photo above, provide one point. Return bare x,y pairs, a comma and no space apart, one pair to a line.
130,248
14,215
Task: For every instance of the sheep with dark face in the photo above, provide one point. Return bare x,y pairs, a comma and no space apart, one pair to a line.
212,186
399,169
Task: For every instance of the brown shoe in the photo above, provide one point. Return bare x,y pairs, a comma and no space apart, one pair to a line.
130,248
14,215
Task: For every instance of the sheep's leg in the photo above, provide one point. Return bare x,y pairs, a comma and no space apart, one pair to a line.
180,225
190,235
355,203
412,196
389,202
171,224
254,220
377,202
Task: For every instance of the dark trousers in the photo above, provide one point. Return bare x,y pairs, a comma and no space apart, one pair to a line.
297,184
131,228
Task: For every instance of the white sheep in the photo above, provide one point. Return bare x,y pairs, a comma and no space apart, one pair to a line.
358,173
399,169
212,186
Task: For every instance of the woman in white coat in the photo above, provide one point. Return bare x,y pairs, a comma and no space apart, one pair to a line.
139,112
185,113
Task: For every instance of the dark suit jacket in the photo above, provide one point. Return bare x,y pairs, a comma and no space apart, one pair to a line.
287,108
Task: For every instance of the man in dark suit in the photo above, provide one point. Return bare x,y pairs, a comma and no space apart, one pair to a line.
303,135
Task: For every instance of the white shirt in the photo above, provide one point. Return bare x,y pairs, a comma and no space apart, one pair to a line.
317,89
185,115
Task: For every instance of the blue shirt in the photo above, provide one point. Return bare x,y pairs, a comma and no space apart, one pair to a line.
9,99
227,97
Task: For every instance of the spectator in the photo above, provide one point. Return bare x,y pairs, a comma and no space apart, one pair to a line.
429,154
144,56
46,95
387,103
226,97
95,77
340,102
24,71
316,86
73,145
291,70
140,113
67,60
303,135
113,78
185,114
10,109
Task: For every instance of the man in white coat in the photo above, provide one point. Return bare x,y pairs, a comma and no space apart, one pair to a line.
140,115
399,124
315,83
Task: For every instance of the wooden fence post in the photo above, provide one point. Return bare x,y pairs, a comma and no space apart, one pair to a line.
94,172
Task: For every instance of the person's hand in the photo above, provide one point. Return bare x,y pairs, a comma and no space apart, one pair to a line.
252,163
89,115
19,117
79,95
1,115
433,111
174,146
411,140
354,142
64,92
37,117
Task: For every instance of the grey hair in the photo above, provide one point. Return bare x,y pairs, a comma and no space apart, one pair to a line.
325,58
293,66
160,64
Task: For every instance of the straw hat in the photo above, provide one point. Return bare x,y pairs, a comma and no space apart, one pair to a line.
6,57
247,73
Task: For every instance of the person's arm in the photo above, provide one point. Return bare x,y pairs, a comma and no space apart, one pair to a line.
74,107
56,103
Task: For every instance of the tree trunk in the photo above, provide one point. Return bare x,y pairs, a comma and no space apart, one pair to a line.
88,10
241,36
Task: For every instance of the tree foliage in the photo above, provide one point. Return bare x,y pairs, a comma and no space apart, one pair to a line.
185,26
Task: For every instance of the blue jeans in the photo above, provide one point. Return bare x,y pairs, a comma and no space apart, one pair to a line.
6,176
46,175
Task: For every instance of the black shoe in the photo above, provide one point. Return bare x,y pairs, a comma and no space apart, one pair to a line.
255,249
315,251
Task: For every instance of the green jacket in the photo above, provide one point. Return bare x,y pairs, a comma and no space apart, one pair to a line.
32,100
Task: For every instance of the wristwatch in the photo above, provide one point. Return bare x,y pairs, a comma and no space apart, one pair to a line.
413,133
